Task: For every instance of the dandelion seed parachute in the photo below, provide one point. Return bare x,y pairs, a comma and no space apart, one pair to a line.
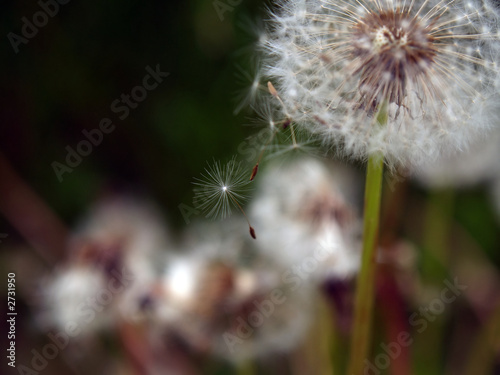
221,188
434,63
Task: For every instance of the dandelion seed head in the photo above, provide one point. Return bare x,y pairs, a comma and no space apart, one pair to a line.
434,63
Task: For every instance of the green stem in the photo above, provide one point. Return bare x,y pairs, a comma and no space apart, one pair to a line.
325,338
435,259
246,368
436,236
361,335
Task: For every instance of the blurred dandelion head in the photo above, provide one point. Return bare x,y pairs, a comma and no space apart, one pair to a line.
434,64
221,188
478,164
303,208
117,243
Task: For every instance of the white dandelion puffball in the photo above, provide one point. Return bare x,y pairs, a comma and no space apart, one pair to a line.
431,65
306,220
123,234
478,164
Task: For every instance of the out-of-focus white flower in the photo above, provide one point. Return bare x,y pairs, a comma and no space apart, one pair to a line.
479,164
434,64
213,296
304,214
127,234
112,264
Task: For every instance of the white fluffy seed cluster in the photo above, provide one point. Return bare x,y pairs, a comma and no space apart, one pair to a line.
306,215
113,258
434,64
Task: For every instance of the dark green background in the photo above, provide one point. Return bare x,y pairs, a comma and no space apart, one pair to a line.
65,78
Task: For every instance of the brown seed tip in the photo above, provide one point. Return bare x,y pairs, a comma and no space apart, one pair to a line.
271,89
252,233
254,171
287,123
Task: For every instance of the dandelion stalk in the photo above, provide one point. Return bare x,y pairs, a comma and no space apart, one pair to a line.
246,368
327,337
434,270
363,305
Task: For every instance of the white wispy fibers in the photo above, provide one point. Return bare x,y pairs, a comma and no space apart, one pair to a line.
215,293
479,164
304,212
221,188
434,63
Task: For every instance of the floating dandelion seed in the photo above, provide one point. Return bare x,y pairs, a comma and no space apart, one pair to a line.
221,188
433,64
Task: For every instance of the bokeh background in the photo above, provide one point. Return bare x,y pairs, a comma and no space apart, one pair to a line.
64,80
66,77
